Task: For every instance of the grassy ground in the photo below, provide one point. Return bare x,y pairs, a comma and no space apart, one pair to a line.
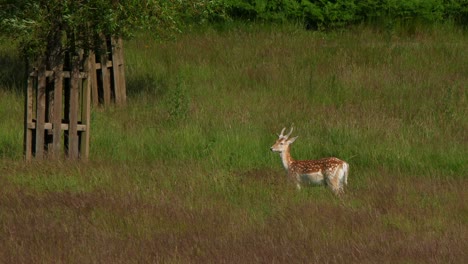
183,173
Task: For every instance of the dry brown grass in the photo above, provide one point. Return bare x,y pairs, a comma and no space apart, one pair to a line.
403,220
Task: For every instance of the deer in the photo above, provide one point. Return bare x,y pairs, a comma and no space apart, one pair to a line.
331,171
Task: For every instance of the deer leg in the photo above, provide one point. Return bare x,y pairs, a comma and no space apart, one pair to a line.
334,183
296,178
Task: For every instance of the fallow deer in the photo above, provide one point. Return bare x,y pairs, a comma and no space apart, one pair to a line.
330,171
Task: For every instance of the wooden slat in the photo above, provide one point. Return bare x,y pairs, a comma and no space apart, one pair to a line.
65,74
92,79
28,117
35,73
50,126
121,66
115,71
40,112
66,111
49,107
81,75
58,107
73,114
108,65
106,86
86,111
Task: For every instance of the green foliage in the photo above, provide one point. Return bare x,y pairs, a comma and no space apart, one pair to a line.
278,10
200,12
42,26
329,14
326,14
11,67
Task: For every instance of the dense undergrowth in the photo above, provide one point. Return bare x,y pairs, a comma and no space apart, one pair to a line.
327,14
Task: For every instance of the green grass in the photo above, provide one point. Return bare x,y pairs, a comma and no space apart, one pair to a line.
184,173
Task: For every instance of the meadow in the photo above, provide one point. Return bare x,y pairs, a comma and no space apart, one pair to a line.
183,173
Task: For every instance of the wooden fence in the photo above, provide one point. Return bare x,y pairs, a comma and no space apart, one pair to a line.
58,103
108,78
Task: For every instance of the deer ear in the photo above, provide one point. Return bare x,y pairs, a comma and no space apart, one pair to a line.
291,140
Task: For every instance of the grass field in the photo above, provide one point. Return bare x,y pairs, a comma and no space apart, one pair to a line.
184,173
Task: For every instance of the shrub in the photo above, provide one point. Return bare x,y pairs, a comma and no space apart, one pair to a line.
325,14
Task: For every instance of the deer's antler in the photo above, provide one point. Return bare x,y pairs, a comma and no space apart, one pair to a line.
290,132
282,131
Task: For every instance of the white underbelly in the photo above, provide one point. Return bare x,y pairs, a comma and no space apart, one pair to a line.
312,178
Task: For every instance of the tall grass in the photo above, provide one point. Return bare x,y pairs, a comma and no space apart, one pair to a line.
183,173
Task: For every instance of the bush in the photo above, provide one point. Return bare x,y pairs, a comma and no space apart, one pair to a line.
325,14
279,10
329,14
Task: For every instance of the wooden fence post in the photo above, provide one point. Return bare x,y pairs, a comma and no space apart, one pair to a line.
28,117
58,109
92,71
86,109
73,112
118,71
40,112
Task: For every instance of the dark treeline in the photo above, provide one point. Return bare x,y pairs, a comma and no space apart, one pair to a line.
326,14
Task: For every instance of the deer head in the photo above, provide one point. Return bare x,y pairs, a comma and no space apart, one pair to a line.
283,141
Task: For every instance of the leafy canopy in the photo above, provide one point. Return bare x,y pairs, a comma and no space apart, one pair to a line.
37,24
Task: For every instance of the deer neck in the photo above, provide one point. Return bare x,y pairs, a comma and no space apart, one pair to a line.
286,158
